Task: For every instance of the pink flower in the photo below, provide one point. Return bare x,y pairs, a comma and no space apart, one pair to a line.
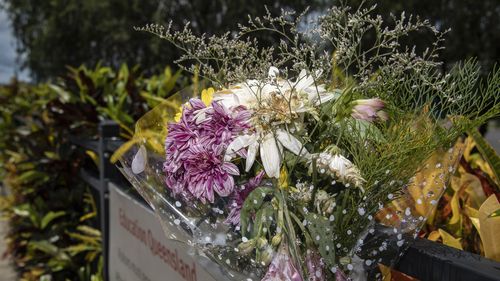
315,266
282,268
195,148
369,110
239,198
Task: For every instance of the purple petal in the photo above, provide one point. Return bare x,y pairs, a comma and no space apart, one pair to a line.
196,104
231,169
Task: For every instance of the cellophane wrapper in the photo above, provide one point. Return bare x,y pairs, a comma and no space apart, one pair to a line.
391,229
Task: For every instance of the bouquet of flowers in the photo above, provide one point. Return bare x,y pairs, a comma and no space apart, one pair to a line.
309,160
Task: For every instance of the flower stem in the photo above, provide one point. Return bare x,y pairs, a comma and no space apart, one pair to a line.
292,237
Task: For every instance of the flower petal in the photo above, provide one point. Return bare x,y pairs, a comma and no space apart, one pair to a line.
237,144
323,96
273,72
231,169
251,154
291,143
207,96
304,81
196,104
270,156
200,115
139,161
227,98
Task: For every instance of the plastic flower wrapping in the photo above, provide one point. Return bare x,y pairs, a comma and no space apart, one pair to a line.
317,159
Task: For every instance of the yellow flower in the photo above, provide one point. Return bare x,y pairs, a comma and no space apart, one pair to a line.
178,115
283,180
207,95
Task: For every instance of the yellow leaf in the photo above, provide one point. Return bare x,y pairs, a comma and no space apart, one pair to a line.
386,272
93,156
476,224
122,150
449,240
485,167
455,208
471,212
425,189
490,228
469,146
474,189
434,236
88,216
430,180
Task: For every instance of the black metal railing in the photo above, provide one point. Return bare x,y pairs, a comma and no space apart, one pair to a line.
424,260
100,178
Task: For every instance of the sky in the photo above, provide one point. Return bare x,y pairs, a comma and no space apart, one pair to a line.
9,65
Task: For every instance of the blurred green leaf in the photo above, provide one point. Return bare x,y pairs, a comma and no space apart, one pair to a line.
45,246
32,175
49,217
89,230
50,210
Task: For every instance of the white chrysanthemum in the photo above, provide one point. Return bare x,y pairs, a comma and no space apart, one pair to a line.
273,104
341,168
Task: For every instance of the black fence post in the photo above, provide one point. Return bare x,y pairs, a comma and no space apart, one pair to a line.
108,131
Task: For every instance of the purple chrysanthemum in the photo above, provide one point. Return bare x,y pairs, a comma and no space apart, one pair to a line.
239,198
221,125
195,147
206,172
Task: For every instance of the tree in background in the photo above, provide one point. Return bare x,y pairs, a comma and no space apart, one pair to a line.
54,34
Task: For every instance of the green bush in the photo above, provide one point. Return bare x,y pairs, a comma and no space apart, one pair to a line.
51,212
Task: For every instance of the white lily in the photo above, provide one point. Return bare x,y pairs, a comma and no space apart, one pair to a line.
273,103
270,147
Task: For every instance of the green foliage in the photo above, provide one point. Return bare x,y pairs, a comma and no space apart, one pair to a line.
320,227
44,201
255,205
51,212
